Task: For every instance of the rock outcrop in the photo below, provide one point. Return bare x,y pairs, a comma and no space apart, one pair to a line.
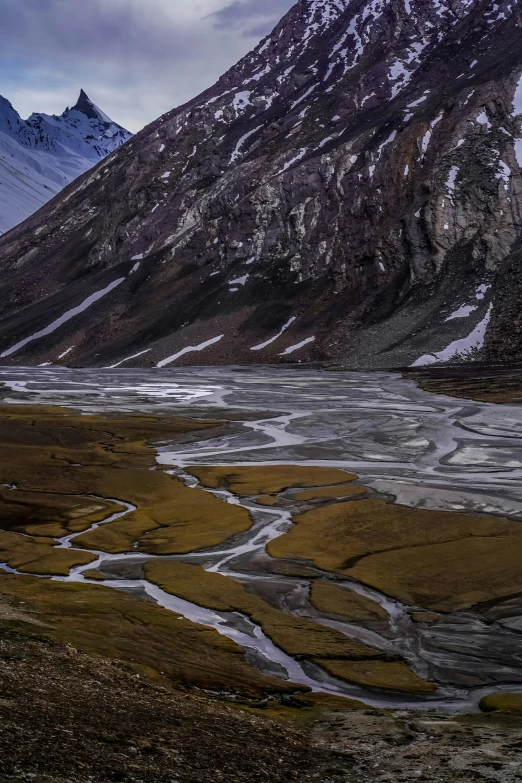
349,192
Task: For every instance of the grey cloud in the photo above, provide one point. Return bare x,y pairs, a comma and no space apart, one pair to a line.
260,30
237,12
136,58
62,29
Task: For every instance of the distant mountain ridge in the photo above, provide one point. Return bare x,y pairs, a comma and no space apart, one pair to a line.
41,155
349,192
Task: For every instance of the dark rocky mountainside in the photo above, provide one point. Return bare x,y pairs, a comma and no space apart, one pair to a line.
350,191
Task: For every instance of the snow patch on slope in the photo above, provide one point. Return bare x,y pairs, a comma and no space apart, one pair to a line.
67,316
294,348
518,151
459,349
517,99
277,336
189,349
64,318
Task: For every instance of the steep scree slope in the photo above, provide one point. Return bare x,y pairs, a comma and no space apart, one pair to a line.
347,192
42,155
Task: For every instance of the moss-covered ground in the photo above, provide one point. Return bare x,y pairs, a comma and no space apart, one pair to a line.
332,599
330,493
58,459
439,560
267,480
502,702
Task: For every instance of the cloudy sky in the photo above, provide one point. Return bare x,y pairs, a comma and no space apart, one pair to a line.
135,58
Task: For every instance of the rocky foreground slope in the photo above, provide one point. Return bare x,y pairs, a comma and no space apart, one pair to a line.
350,191
70,718
41,155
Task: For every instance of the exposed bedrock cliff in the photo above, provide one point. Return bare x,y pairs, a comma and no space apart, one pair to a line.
352,186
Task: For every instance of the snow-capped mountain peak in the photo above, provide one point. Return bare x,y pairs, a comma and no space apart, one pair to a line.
10,121
85,129
87,107
40,156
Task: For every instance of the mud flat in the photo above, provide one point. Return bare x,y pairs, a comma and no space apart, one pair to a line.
497,383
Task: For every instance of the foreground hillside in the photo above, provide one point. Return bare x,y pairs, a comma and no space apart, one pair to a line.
349,191
92,717
67,717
